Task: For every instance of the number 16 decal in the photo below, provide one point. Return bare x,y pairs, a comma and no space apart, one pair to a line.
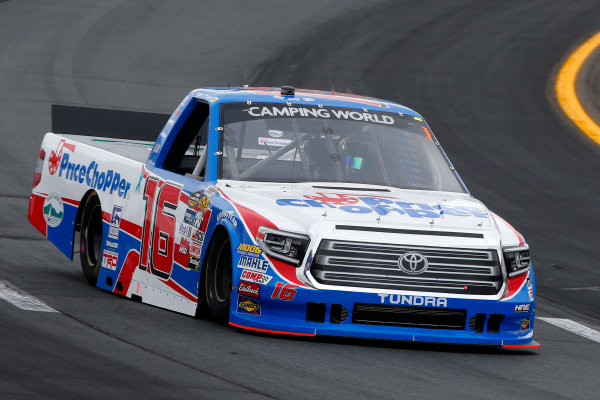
158,254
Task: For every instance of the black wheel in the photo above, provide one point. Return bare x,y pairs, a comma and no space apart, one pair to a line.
218,278
90,240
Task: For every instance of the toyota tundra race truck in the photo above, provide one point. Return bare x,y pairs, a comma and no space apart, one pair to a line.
293,212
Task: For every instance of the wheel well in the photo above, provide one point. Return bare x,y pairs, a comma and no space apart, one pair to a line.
89,194
220,232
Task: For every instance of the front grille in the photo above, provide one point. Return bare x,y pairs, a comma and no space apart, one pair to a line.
412,317
374,265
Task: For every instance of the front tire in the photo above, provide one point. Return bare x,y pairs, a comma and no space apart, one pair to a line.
90,239
218,278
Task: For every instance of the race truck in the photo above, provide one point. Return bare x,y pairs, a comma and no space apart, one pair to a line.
289,211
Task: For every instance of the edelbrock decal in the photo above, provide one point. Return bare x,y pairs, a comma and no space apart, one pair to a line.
249,289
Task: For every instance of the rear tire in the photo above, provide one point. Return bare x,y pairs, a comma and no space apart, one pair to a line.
218,278
90,239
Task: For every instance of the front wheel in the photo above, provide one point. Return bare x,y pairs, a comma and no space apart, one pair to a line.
218,278
90,239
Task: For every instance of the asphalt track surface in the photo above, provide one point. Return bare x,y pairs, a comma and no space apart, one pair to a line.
479,71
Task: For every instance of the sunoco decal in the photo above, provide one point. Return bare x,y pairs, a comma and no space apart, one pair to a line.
246,305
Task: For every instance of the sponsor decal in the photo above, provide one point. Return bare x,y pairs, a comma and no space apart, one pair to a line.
210,191
522,308
197,222
249,289
109,260
197,201
184,246
413,300
275,133
194,199
257,277
530,287
54,210
229,215
273,142
113,245
203,203
56,155
194,263
249,250
364,204
315,112
189,217
525,325
115,222
171,122
92,174
195,249
246,305
139,185
334,199
253,263
185,230
199,94
156,148
198,236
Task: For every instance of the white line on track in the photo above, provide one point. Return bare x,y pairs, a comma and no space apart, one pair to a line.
21,299
574,327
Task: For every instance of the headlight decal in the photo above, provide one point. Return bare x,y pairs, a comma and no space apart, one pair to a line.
286,246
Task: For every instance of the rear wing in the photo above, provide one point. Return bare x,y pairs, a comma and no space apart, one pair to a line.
108,123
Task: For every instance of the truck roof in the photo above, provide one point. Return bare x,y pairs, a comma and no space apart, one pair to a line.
306,96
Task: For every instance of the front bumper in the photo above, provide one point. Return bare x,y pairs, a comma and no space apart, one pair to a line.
486,322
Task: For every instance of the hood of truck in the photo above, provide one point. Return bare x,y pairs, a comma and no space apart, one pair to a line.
311,208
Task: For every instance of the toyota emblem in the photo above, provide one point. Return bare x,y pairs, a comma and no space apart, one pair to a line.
413,263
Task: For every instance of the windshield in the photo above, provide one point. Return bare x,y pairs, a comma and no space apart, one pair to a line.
275,142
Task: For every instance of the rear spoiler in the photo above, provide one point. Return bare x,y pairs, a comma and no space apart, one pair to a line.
104,122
